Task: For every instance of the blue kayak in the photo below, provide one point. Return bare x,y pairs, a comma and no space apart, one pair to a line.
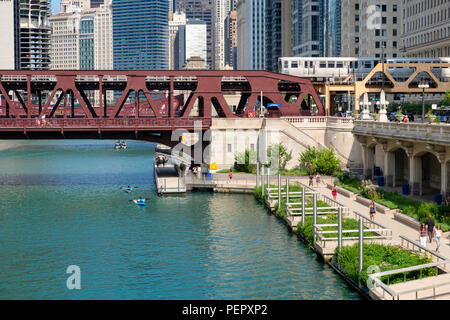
140,203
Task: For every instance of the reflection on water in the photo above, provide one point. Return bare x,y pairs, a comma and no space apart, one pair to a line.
61,204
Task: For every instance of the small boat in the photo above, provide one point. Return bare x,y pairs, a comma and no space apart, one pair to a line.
140,202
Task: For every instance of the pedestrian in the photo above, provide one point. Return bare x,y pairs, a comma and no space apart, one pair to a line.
334,192
372,210
311,180
317,179
438,233
230,175
430,228
423,235
406,119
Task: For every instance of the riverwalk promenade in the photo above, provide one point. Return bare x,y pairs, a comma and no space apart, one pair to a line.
404,235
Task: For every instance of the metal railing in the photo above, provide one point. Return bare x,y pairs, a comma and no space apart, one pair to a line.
396,294
417,247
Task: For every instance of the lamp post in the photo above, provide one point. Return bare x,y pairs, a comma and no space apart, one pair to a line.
382,107
423,84
366,112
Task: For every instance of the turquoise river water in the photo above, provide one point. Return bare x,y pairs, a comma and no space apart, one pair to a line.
61,205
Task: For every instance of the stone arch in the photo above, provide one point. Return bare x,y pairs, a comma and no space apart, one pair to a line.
428,171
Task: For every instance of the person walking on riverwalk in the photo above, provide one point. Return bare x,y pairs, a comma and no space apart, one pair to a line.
430,228
372,210
317,180
423,235
334,192
311,183
230,175
438,233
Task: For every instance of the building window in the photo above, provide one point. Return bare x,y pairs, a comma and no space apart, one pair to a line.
377,44
394,8
383,20
229,147
356,6
356,28
356,17
356,39
377,32
394,20
394,44
383,8
394,32
252,146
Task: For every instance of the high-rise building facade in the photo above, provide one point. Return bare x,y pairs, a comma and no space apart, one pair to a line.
371,28
64,49
251,32
176,19
220,12
201,10
273,34
69,6
231,39
425,28
140,34
34,34
82,39
286,28
9,25
190,41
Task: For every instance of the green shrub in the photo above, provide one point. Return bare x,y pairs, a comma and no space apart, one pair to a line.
319,161
246,161
386,258
278,153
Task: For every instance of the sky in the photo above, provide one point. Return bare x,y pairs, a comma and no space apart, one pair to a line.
55,6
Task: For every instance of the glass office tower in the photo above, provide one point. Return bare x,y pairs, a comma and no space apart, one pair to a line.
140,34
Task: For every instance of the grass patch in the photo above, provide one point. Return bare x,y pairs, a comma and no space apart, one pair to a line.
386,258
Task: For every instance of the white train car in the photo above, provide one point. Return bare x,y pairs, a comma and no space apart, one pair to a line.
337,69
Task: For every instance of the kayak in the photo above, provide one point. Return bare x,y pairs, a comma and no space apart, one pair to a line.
140,203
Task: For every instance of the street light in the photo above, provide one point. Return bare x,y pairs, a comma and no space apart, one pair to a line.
382,110
423,84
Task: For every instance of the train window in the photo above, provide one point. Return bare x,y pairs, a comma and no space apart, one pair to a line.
339,65
356,64
330,64
286,64
294,64
306,64
322,64
367,65
311,64
351,64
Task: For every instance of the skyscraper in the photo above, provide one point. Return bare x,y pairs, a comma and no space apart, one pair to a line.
220,12
34,34
140,34
176,19
231,39
201,10
9,24
190,42
273,34
251,31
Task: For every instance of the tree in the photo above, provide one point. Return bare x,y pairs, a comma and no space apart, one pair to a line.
327,163
319,161
277,153
246,161
308,158
447,98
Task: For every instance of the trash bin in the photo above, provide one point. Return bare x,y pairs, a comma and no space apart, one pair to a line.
208,176
376,171
438,198
381,181
405,189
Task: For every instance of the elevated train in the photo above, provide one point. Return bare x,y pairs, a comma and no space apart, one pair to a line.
347,70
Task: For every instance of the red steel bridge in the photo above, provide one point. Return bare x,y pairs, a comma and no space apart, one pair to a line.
141,104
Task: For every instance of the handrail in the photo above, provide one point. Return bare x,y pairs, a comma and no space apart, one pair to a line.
415,244
375,277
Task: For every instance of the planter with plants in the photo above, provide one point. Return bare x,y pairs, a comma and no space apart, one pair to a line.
430,116
399,116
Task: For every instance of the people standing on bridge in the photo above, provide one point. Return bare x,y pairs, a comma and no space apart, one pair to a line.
438,234
430,228
334,192
423,235
317,179
372,210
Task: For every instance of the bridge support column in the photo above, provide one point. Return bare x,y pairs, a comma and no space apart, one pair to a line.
415,172
444,178
389,168
368,162
327,100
